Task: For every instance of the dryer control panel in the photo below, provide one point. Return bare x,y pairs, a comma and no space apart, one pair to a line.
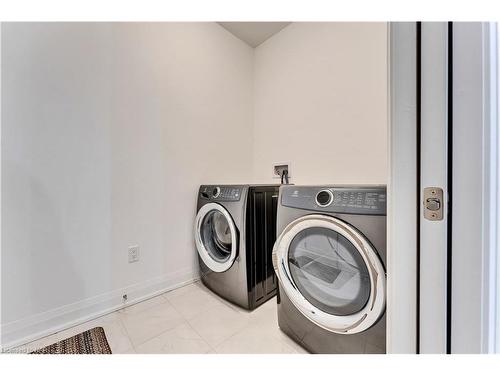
221,193
367,200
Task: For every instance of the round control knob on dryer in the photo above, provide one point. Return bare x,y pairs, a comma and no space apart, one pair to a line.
216,192
324,198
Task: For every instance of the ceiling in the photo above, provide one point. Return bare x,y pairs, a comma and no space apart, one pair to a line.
253,33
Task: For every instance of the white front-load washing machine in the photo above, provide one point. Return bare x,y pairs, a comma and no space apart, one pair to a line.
330,259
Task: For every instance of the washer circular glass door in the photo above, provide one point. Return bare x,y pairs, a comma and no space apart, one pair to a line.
331,273
215,237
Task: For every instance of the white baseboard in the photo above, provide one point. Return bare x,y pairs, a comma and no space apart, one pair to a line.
37,326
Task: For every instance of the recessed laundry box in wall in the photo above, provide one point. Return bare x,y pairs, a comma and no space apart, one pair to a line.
235,229
330,260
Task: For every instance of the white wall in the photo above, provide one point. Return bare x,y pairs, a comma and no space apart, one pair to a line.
109,129
321,103
107,132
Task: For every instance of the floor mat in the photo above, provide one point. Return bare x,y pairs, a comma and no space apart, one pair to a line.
92,341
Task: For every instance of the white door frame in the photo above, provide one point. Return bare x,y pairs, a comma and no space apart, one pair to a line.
475,189
434,171
472,306
417,306
402,190
1,343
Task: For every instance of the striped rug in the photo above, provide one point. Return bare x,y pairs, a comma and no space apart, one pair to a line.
92,341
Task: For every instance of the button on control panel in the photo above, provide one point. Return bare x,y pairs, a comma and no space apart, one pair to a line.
221,193
324,198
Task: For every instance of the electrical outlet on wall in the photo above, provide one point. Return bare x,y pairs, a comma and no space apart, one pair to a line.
278,169
133,253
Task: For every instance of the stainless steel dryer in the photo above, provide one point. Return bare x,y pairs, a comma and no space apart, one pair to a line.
330,258
235,229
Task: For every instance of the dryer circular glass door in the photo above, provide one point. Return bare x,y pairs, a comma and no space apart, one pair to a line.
216,237
331,273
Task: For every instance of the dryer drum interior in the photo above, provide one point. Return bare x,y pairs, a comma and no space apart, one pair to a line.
329,271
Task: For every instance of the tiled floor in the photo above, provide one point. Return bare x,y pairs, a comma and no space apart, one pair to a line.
190,319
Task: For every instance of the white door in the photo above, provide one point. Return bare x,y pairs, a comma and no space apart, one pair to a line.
418,238
435,138
331,273
459,146
443,251
216,237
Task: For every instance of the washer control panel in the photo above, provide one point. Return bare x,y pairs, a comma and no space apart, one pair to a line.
351,200
221,193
